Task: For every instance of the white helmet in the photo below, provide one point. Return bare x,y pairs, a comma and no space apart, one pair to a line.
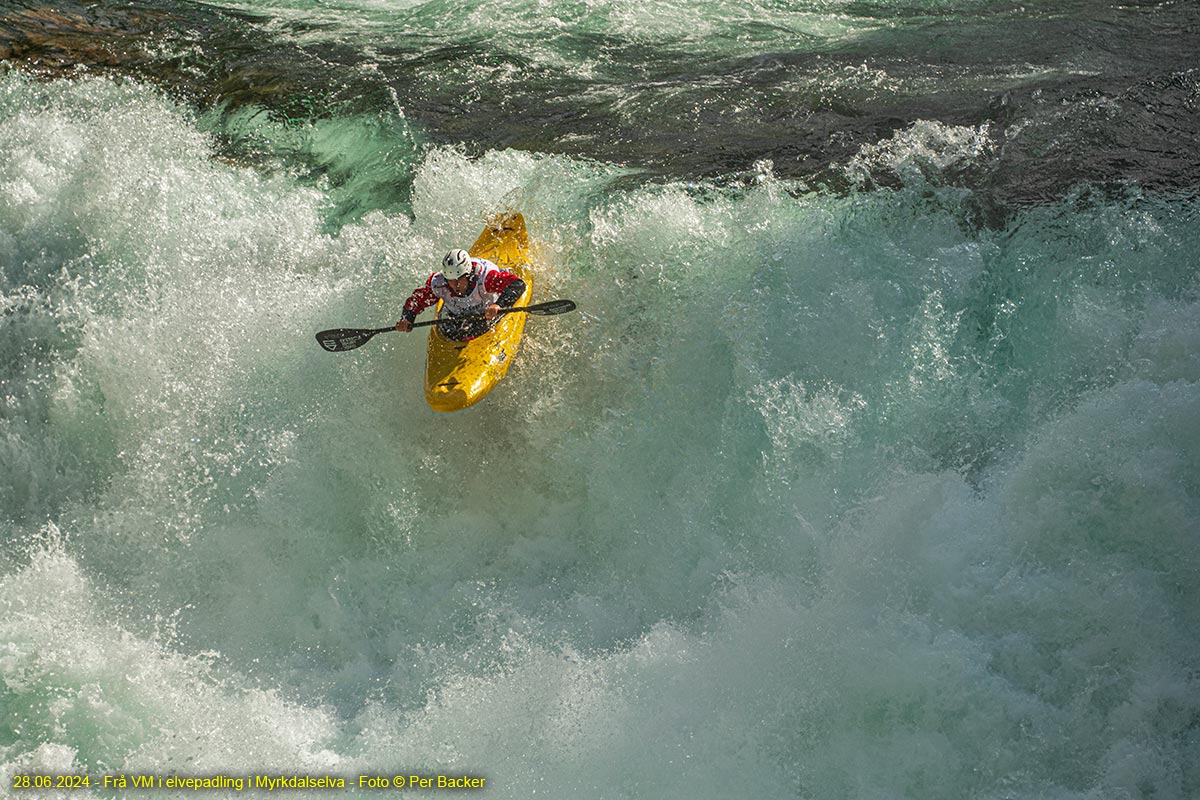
456,264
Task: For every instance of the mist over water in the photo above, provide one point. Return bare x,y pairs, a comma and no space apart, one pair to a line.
870,479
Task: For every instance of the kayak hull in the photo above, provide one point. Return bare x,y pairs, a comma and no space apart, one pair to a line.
460,374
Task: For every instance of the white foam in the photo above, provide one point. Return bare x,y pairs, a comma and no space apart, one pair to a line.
822,502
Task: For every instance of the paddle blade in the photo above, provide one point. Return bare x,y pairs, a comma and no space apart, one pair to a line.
550,307
336,340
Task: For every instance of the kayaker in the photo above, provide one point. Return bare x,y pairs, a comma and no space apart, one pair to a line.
466,286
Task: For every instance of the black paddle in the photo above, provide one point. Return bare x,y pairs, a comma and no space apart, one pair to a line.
336,340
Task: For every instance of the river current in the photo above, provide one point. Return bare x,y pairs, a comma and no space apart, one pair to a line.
868,467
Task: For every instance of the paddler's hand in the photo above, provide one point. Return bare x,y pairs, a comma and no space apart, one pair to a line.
492,311
404,326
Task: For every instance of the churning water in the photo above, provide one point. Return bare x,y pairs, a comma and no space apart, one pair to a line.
869,466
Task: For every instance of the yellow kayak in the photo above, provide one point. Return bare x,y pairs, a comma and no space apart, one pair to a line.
460,374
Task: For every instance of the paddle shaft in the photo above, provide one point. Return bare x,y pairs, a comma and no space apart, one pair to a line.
439,320
342,339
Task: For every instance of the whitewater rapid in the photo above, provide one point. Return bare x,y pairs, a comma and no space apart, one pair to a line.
827,490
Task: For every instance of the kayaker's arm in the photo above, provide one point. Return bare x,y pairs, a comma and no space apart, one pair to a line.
511,294
417,302
510,288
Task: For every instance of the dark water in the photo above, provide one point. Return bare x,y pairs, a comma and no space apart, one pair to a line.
1100,92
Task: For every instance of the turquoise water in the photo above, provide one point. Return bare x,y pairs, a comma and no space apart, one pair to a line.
869,466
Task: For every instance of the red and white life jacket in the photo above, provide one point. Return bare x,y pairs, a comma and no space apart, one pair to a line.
488,284
475,300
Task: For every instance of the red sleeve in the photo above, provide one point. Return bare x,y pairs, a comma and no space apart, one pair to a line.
421,299
498,281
